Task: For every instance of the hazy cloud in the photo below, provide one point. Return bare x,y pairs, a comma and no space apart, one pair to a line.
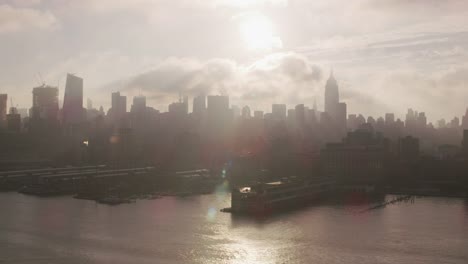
284,77
13,19
387,55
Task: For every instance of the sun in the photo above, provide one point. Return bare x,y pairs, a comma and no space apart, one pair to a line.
257,32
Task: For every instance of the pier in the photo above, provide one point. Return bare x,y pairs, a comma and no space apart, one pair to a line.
404,198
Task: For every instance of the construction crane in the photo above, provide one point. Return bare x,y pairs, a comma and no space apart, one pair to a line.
40,79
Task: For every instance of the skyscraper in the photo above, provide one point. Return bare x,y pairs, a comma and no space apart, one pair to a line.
89,104
72,111
14,120
218,103
218,114
465,120
332,97
139,104
278,111
3,109
465,142
300,115
389,119
336,111
199,104
45,110
246,112
258,114
45,103
119,106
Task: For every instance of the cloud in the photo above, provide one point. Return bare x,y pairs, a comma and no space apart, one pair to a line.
284,77
14,19
24,3
437,94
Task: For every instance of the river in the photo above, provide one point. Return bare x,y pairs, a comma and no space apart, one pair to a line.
192,230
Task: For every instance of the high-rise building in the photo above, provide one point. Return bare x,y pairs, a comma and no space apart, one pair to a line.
246,112
3,109
336,111
218,112
218,103
455,123
465,120
89,104
119,106
139,104
389,119
258,114
422,120
181,107
45,103
291,118
73,112
300,115
199,104
332,96
185,103
14,120
465,142
45,108
341,116
278,111
24,112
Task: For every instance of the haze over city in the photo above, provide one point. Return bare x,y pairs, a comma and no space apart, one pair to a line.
388,55
219,131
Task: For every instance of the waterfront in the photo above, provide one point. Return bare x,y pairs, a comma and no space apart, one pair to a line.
192,230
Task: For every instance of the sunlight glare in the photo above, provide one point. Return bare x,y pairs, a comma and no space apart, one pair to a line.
257,32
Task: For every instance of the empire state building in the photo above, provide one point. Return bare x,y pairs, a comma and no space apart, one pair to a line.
332,96
333,108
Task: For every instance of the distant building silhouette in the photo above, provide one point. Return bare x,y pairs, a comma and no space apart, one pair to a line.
358,159
119,107
199,104
45,110
218,116
139,104
246,112
89,104
278,111
389,119
14,120
332,96
465,142
337,112
72,111
300,113
258,115
3,109
465,120
181,107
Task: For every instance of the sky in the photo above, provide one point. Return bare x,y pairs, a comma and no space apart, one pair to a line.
387,55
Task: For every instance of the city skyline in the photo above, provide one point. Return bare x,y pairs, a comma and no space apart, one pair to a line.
234,131
331,104
258,52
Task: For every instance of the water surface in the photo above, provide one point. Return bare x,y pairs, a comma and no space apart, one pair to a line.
192,230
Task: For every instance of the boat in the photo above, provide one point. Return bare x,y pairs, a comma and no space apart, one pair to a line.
113,200
43,190
265,198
